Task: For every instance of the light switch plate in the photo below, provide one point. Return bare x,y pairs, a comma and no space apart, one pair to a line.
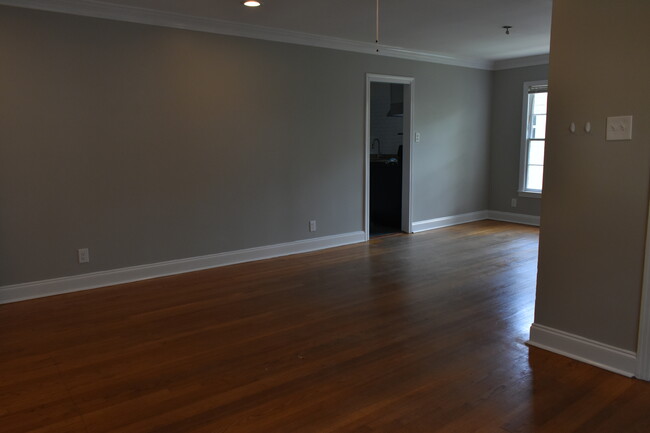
619,128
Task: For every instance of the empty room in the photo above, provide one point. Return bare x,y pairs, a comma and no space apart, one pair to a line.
300,216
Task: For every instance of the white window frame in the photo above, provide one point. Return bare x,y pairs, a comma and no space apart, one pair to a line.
523,158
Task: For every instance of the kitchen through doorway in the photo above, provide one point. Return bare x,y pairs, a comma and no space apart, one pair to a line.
388,123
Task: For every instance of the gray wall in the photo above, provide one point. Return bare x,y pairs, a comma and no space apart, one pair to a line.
451,164
148,144
595,199
505,138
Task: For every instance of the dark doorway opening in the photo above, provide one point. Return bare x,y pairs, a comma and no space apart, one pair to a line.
386,157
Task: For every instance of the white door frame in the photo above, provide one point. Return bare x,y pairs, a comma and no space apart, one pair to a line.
643,347
407,153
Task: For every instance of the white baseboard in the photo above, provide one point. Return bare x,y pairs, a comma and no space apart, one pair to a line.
583,349
510,217
436,223
55,286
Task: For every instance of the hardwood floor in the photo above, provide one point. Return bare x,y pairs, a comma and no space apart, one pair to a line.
417,333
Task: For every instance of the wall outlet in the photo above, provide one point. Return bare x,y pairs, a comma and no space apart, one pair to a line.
417,137
83,255
513,202
312,225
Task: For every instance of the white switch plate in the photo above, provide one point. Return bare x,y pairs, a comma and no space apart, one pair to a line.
619,128
312,225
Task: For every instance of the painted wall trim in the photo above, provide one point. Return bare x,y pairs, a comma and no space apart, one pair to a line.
56,286
98,9
583,349
436,223
510,217
521,62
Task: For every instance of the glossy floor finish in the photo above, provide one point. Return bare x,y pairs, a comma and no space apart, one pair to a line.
406,333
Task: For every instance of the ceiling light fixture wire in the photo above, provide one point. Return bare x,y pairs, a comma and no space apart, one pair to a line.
377,25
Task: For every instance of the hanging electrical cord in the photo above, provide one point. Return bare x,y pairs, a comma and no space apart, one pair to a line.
377,25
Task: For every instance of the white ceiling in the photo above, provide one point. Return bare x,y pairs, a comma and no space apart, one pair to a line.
468,30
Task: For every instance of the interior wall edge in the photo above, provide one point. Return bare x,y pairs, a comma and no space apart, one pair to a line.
582,349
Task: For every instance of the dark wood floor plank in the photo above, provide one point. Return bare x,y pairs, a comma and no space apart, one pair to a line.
405,333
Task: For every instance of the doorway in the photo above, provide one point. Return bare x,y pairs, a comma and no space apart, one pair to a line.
388,154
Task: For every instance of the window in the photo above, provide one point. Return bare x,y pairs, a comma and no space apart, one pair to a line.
533,138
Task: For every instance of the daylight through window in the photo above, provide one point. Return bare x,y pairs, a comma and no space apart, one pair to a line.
534,137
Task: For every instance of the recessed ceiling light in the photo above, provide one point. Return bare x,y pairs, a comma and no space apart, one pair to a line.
252,3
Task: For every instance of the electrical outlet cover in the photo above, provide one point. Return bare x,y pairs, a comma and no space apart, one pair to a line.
83,255
619,128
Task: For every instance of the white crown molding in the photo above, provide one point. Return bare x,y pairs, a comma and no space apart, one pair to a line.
519,218
436,223
520,62
56,286
583,349
99,9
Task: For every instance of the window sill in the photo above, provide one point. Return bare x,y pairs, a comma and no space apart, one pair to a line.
530,194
